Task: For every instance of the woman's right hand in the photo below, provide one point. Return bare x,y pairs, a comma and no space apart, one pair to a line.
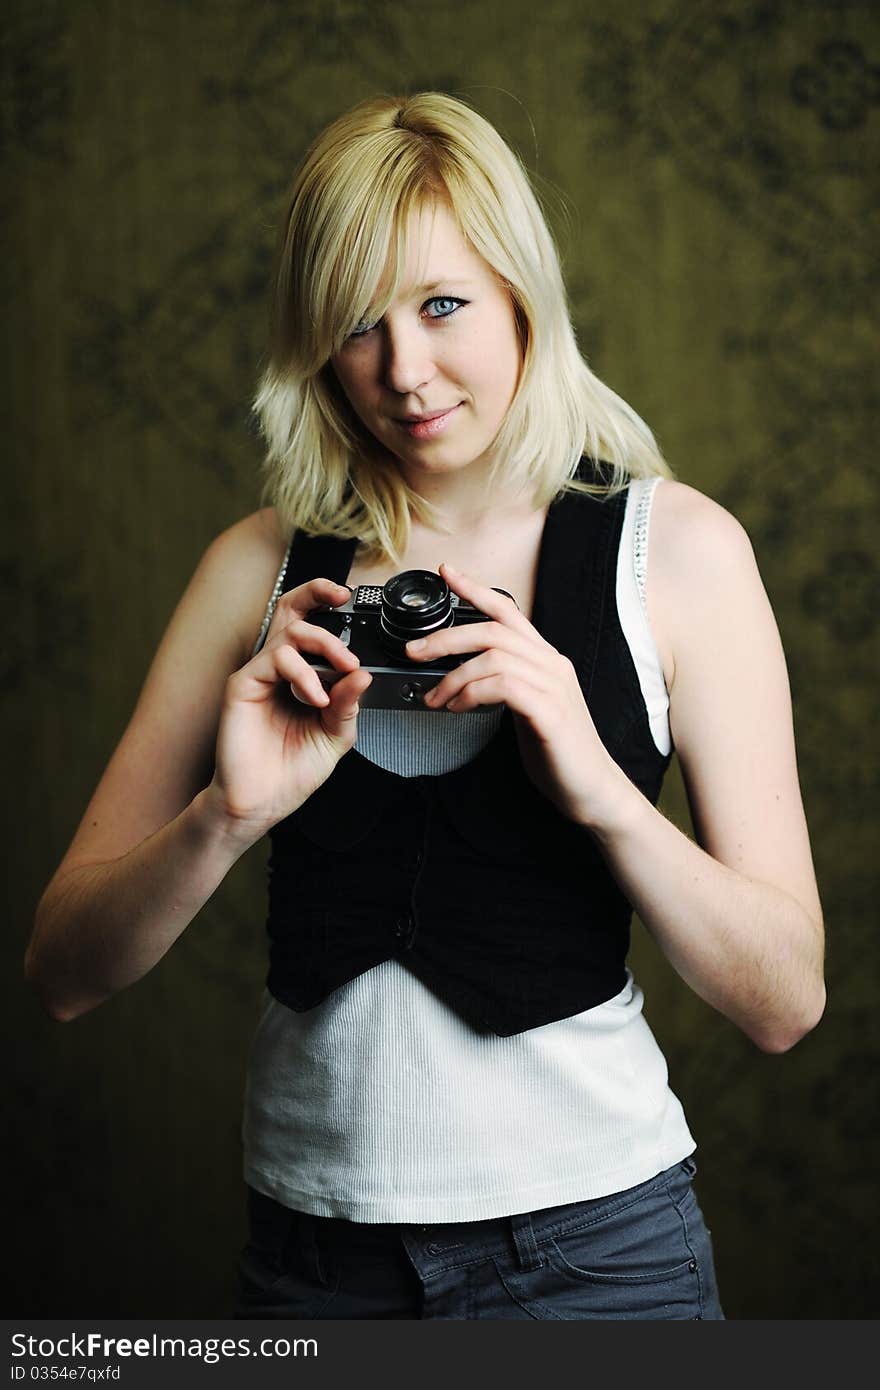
273,750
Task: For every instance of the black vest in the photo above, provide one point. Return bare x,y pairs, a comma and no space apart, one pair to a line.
473,880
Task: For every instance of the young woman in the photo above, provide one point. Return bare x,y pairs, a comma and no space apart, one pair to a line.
455,1108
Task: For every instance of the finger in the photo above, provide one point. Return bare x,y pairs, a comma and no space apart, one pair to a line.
308,637
298,602
279,663
476,637
499,689
489,665
488,600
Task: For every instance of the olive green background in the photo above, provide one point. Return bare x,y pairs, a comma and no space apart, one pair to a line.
707,168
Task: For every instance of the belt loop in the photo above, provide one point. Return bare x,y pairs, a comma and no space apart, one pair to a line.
526,1246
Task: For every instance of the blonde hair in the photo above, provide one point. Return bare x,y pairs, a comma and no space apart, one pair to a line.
340,261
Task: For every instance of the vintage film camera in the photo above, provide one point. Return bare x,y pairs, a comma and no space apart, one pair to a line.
377,622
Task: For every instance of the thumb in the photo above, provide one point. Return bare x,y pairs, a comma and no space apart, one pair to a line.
339,717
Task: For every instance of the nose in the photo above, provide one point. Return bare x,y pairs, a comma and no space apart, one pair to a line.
408,362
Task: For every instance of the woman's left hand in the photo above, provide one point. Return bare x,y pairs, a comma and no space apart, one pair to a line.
559,746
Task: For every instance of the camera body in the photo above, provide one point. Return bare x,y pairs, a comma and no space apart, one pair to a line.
377,622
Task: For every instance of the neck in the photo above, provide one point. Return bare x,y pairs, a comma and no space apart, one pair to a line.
467,505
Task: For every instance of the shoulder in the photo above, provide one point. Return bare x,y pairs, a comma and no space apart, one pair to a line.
246,556
700,565
688,528
237,572
255,539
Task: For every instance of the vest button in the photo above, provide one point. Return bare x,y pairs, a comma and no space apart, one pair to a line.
405,929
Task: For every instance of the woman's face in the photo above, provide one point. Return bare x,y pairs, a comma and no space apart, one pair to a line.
433,379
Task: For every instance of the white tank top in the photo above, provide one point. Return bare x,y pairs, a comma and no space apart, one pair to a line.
381,1104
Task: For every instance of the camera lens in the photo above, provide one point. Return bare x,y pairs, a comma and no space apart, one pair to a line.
414,603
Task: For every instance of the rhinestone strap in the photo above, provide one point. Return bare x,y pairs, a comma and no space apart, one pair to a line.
273,599
643,516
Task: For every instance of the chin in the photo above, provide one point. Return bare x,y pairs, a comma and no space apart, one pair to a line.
438,463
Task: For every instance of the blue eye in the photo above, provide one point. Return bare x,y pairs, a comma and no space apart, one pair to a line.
438,307
446,305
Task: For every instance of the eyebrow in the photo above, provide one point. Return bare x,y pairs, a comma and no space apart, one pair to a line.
442,281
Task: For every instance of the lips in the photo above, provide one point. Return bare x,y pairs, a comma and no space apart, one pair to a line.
427,426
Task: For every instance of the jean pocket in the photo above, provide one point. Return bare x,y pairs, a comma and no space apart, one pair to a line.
636,1261
279,1275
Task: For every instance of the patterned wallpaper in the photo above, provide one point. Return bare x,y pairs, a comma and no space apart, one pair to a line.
708,170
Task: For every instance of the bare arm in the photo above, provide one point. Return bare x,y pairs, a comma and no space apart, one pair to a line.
738,914
101,926
168,819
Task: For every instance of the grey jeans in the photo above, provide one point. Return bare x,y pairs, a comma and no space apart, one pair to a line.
643,1253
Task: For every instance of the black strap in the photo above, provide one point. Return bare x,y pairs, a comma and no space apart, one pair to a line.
578,550
318,557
